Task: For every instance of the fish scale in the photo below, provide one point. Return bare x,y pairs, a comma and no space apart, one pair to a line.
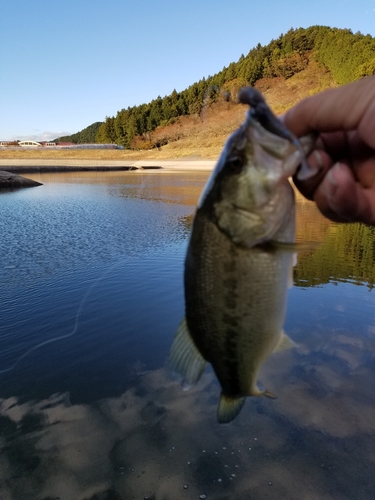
236,322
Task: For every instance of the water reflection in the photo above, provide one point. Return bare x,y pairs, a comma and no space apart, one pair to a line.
346,252
97,416
153,440
74,225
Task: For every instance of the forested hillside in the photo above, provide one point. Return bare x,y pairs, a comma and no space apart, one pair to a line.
85,136
340,53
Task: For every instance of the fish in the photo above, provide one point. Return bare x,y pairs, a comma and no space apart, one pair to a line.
239,260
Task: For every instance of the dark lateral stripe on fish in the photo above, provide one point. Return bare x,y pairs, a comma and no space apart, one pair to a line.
231,350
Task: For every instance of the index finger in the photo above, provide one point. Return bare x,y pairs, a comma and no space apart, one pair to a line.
344,108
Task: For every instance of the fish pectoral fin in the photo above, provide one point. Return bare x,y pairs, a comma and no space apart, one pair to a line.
229,408
185,358
292,247
262,391
269,394
284,343
290,272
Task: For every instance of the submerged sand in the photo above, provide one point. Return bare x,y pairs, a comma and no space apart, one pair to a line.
22,166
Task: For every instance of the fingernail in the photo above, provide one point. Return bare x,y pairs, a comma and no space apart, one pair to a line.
334,174
310,170
319,160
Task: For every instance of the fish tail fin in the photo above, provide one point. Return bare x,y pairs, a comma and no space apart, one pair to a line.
229,408
269,394
185,358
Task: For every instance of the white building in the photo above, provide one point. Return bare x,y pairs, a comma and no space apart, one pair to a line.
29,144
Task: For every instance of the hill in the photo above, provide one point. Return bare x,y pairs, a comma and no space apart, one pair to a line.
203,136
195,123
85,136
346,56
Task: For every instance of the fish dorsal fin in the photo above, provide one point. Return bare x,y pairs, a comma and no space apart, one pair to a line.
228,408
185,358
284,342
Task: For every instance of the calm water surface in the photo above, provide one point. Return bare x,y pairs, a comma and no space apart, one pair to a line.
91,296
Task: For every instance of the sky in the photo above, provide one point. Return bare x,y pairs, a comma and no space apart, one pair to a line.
65,65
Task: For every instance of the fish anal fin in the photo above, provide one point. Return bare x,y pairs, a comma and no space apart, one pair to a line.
284,343
185,358
229,408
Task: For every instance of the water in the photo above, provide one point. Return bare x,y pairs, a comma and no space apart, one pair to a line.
91,295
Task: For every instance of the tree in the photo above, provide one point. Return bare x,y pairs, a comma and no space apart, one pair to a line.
85,136
365,69
106,132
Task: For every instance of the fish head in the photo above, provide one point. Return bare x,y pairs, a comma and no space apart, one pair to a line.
248,194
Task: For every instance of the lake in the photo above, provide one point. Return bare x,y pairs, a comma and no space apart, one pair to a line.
91,296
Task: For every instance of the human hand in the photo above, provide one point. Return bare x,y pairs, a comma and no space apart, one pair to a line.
344,154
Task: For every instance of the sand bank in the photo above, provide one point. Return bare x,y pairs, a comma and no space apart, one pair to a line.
23,166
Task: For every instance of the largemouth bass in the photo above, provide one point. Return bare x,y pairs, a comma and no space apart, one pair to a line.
239,260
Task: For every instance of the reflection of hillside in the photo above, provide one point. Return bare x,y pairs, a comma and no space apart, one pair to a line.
347,254
177,188
310,223
182,187
187,221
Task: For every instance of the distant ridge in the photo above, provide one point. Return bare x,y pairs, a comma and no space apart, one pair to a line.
85,136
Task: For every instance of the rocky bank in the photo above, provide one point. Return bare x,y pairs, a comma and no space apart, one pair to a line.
9,180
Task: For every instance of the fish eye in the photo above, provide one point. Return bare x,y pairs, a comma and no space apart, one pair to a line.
235,164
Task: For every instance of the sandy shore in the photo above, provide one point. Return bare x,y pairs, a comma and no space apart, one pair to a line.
23,166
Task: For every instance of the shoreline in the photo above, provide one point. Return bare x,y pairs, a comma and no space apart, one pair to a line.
23,166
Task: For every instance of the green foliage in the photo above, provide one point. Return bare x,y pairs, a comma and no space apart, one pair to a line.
348,56
85,136
106,132
365,69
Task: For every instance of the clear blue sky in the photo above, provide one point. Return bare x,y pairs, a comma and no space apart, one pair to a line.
65,65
